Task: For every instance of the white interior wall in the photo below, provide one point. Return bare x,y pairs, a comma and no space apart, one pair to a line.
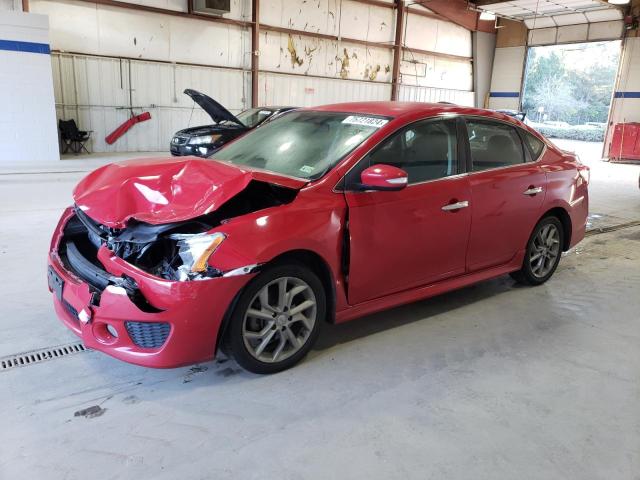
304,55
94,88
432,78
175,5
103,30
408,93
331,17
422,70
28,132
95,91
11,5
295,69
436,35
506,80
484,46
304,91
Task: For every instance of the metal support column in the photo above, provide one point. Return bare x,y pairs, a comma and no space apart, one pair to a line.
397,50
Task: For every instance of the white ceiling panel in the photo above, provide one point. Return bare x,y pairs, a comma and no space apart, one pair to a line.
540,22
570,19
573,33
604,15
606,30
551,13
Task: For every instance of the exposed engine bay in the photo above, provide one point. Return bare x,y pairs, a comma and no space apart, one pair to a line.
162,250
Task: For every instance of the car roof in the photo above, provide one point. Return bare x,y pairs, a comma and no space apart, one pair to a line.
276,108
400,109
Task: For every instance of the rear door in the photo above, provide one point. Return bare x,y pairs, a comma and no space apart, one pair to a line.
403,239
507,192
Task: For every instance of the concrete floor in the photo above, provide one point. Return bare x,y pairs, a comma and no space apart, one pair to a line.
490,382
70,163
613,189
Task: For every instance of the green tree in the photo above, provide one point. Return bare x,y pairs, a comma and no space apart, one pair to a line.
565,91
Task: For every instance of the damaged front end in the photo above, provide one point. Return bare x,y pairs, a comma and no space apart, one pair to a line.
129,264
177,251
172,251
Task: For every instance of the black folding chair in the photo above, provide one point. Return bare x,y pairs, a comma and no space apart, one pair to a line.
72,138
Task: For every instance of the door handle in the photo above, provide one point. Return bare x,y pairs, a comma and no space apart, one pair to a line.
455,206
531,191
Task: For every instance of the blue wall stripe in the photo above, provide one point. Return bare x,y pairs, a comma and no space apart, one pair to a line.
30,47
504,94
626,95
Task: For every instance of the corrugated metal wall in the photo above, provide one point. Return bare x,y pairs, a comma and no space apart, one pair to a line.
298,69
409,93
95,92
279,89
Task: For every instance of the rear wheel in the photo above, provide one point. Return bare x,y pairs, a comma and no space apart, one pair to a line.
543,252
277,319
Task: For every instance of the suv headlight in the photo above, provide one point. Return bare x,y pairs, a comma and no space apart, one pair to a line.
202,140
194,251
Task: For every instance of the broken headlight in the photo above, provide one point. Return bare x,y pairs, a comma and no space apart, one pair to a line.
194,251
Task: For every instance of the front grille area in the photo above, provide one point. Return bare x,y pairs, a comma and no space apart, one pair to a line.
148,334
69,308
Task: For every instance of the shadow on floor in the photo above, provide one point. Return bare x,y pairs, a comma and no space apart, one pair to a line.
422,310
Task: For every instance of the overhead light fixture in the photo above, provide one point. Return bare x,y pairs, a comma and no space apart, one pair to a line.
618,2
485,15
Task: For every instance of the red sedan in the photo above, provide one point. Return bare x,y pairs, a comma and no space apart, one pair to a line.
322,215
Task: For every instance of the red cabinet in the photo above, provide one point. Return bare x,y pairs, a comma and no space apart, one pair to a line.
625,144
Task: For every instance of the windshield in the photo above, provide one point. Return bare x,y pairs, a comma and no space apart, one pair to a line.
254,116
301,144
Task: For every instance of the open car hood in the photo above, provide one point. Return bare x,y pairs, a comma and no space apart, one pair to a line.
216,111
165,190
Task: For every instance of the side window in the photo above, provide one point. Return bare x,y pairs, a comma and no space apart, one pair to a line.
494,145
534,143
426,150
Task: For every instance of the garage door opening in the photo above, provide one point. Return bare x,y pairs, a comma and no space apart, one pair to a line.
568,90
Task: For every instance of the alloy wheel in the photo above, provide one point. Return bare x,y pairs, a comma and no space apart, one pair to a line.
545,250
279,320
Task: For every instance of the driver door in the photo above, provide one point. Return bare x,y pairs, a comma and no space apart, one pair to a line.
416,236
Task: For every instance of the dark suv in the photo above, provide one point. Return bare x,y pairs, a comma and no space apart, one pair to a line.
206,139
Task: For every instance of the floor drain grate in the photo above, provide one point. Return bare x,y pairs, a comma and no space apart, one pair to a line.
611,228
41,355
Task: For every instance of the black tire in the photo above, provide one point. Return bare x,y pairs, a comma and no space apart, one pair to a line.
234,341
526,274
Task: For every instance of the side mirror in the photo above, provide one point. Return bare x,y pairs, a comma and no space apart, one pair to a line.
383,177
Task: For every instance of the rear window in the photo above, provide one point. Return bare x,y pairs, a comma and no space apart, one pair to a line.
535,145
493,145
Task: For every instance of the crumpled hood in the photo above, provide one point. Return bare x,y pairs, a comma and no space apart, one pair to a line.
164,190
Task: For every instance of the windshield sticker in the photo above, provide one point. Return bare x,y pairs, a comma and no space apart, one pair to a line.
306,169
264,112
366,121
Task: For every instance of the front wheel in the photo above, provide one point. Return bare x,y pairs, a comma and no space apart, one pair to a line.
543,252
277,319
